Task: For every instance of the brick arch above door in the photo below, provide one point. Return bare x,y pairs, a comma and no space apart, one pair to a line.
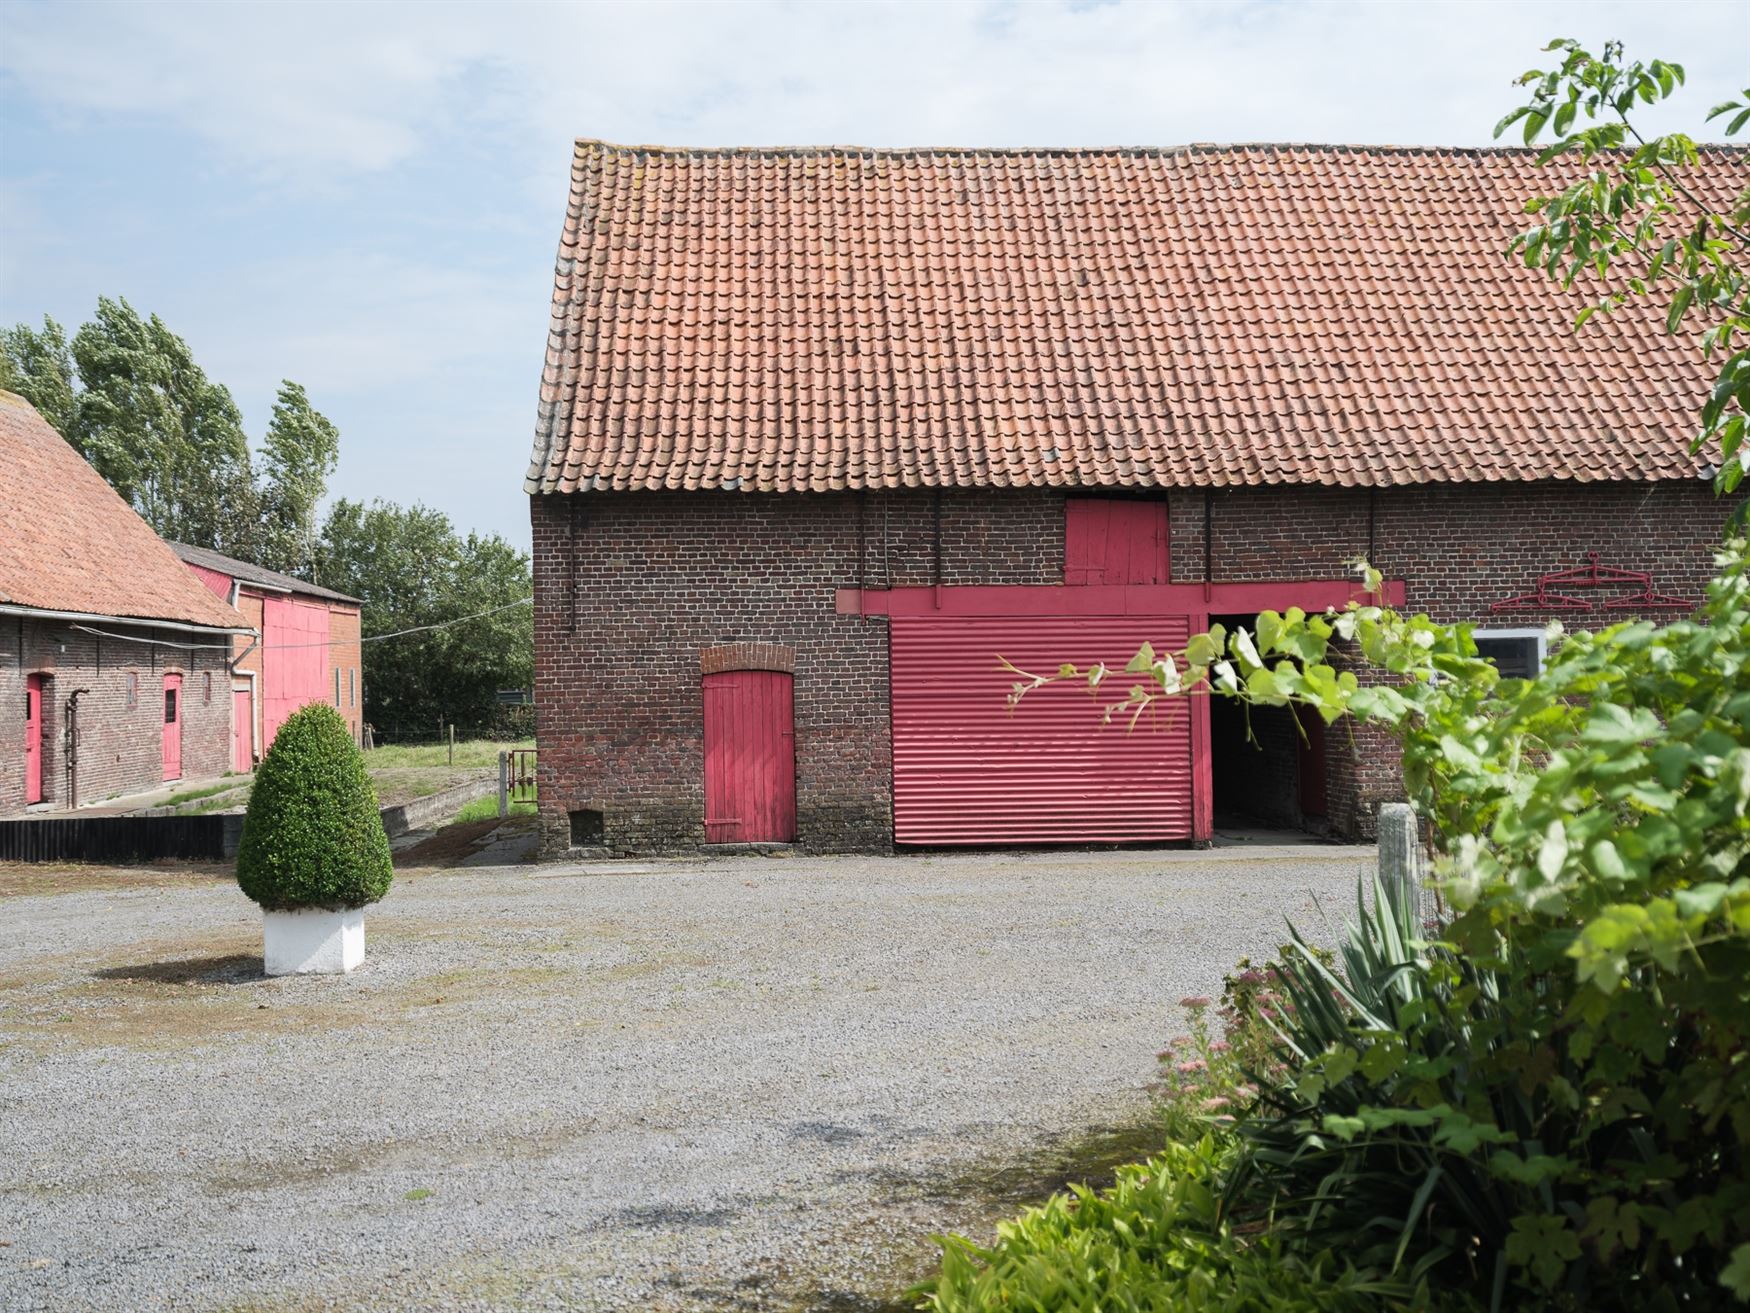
747,656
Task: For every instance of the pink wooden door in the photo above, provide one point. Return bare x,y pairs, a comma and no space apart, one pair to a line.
242,731
1114,540
33,738
173,727
750,757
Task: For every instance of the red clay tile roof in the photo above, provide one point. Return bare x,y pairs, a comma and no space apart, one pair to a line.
788,320
68,542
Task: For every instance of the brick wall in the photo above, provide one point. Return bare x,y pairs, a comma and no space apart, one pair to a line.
630,588
121,723
344,659
1458,549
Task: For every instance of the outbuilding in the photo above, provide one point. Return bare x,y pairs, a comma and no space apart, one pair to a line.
114,661
824,433
308,649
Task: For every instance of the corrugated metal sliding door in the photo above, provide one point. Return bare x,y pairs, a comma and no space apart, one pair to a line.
966,771
750,757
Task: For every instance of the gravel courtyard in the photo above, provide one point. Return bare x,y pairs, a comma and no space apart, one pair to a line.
743,1084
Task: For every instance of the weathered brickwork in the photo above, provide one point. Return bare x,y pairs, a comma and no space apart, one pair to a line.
747,656
121,713
345,668
1458,548
632,589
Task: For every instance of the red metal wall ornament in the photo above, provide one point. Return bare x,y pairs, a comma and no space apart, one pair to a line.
1549,597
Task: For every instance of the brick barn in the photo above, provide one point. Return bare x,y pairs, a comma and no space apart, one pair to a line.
114,673
307,649
823,432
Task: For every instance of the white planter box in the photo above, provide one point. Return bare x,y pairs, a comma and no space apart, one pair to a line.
313,941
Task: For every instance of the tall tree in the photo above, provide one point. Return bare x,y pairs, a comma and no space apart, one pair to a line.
299,454
1638,225
412,570
37,364
165,436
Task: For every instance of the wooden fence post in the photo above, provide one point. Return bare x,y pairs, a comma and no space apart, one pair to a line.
452,745
1400,855
504,784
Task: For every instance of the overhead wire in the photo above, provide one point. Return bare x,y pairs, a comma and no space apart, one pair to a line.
286,647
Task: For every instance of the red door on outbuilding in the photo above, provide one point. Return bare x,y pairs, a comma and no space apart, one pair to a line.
294,641
1115,540
33,738
242,730
966,771
750,757
173,727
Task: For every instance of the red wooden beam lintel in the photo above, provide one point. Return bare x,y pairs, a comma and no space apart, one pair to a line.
1312,595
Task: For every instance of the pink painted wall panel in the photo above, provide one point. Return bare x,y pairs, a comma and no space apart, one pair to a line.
242,731
966,771
294,660
216,581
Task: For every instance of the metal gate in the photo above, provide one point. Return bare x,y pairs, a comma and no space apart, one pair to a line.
966,771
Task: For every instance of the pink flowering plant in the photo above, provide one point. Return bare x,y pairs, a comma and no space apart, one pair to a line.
1209,1074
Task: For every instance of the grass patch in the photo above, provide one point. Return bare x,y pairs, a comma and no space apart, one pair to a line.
415,1195
474,752
205,791
486,809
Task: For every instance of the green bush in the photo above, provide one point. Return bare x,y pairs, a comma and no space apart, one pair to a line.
1552,1100
313,836
1549,1103
1155,1242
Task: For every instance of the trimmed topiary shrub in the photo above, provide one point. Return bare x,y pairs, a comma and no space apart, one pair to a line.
313,836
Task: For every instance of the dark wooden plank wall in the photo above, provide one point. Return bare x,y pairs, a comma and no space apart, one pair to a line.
113,838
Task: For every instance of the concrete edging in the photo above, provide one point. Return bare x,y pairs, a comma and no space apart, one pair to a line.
411,815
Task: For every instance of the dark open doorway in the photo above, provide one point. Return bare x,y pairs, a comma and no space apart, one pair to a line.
1270,773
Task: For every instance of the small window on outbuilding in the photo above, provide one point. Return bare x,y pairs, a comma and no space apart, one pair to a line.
337,701
1516,653
133,689
352,687
207,688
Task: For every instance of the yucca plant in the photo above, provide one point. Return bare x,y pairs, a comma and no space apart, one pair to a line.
1365,1132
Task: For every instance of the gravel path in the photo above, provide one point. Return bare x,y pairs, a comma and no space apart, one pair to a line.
746,1084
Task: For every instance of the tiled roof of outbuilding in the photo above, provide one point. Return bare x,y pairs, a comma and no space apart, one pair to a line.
814,319
68,542
251,573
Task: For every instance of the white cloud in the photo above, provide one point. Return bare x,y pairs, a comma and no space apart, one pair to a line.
430,142
315,89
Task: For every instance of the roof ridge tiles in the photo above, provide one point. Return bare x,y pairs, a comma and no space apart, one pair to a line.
776,151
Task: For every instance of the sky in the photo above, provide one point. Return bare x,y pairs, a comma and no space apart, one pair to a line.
366,198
